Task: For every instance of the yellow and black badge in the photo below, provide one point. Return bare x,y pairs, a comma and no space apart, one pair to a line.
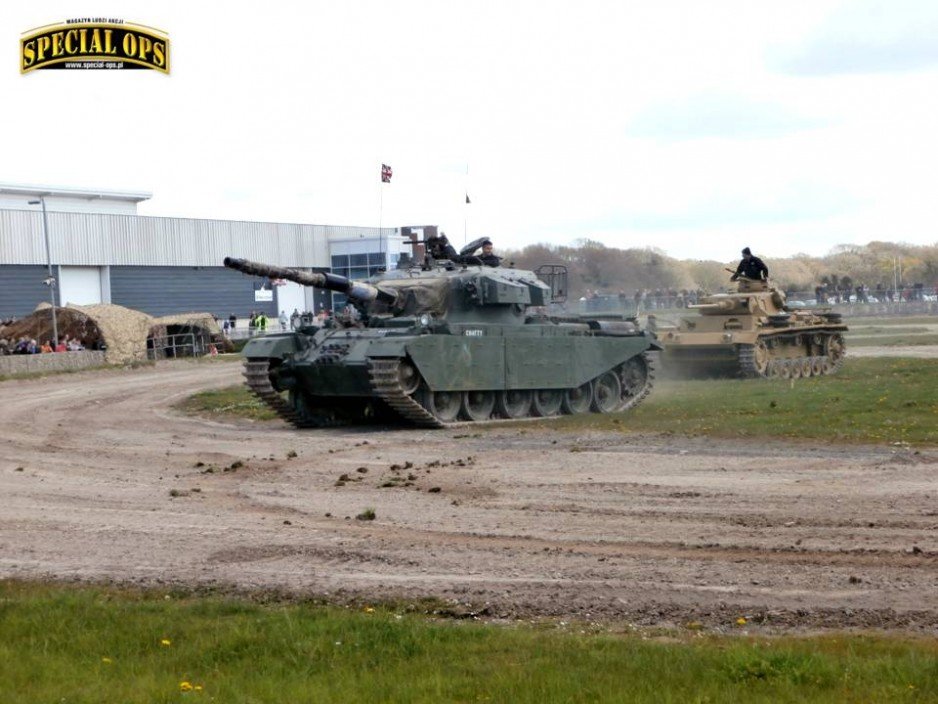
94,43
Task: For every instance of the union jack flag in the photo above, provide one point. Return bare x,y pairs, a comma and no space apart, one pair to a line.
386,173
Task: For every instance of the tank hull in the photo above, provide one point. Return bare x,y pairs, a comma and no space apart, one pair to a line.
343,375
797,351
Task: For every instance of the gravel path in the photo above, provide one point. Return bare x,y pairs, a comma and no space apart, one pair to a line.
102,480
916,351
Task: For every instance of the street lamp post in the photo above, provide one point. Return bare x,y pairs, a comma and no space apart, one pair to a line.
50,281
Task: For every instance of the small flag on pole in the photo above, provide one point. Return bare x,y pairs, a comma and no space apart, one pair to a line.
467,198
386,173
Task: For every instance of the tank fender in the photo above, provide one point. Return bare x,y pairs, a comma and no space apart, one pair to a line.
272,346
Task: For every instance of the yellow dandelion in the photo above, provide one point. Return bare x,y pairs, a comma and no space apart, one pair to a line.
369,610
198,688
741,621
106,661
166,642
185,686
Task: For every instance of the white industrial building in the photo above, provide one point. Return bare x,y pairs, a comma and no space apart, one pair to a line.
102,251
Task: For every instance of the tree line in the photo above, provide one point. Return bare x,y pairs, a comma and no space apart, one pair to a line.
594,267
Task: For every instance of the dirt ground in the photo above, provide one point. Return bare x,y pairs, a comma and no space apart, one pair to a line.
101,480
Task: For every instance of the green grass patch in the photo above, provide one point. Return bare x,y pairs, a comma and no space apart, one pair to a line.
83,644
226,403
880,400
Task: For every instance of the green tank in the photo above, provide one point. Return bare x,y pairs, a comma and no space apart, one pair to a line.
443,341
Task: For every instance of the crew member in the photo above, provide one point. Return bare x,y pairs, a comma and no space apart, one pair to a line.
751,267
487,257
440,248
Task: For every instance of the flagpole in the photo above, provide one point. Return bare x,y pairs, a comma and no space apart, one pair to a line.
465,212
380,221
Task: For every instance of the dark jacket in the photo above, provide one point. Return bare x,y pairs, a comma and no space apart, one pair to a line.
752,268
490,259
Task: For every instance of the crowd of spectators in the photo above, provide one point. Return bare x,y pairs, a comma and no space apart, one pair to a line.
28,345
259,323
826,294
643,298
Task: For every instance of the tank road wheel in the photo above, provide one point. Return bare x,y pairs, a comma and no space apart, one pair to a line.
754,359
477,405
636,377
577,400
806,368
607,393
836,350
795,365
775,369
408,377
442,405
784,368
513,404
826,366
547,402
817,366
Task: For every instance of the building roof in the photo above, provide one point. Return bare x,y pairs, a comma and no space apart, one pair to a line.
78,193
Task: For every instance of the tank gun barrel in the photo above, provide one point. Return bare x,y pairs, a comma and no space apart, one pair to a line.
357,290
718,305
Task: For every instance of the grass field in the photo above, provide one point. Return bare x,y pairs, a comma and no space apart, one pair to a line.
879,400
891,332
81,644
229,402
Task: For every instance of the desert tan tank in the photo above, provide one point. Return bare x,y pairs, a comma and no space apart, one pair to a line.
751,333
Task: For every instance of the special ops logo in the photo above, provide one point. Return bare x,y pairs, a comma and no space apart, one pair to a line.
94,43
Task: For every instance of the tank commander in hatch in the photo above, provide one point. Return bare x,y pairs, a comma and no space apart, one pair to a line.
440,248
751,267
487,257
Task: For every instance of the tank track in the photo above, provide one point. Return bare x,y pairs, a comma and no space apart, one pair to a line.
257,374
646,389
387,385
747,361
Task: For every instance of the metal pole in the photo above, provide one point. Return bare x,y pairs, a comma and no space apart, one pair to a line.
50,281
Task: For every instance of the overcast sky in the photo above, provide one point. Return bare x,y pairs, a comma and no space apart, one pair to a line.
694,127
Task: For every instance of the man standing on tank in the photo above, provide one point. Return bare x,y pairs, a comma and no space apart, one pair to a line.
487,257
751,267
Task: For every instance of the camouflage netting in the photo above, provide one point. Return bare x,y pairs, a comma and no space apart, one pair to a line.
202,326
121,332
415,296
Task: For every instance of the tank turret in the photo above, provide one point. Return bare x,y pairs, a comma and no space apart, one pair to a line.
445,341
